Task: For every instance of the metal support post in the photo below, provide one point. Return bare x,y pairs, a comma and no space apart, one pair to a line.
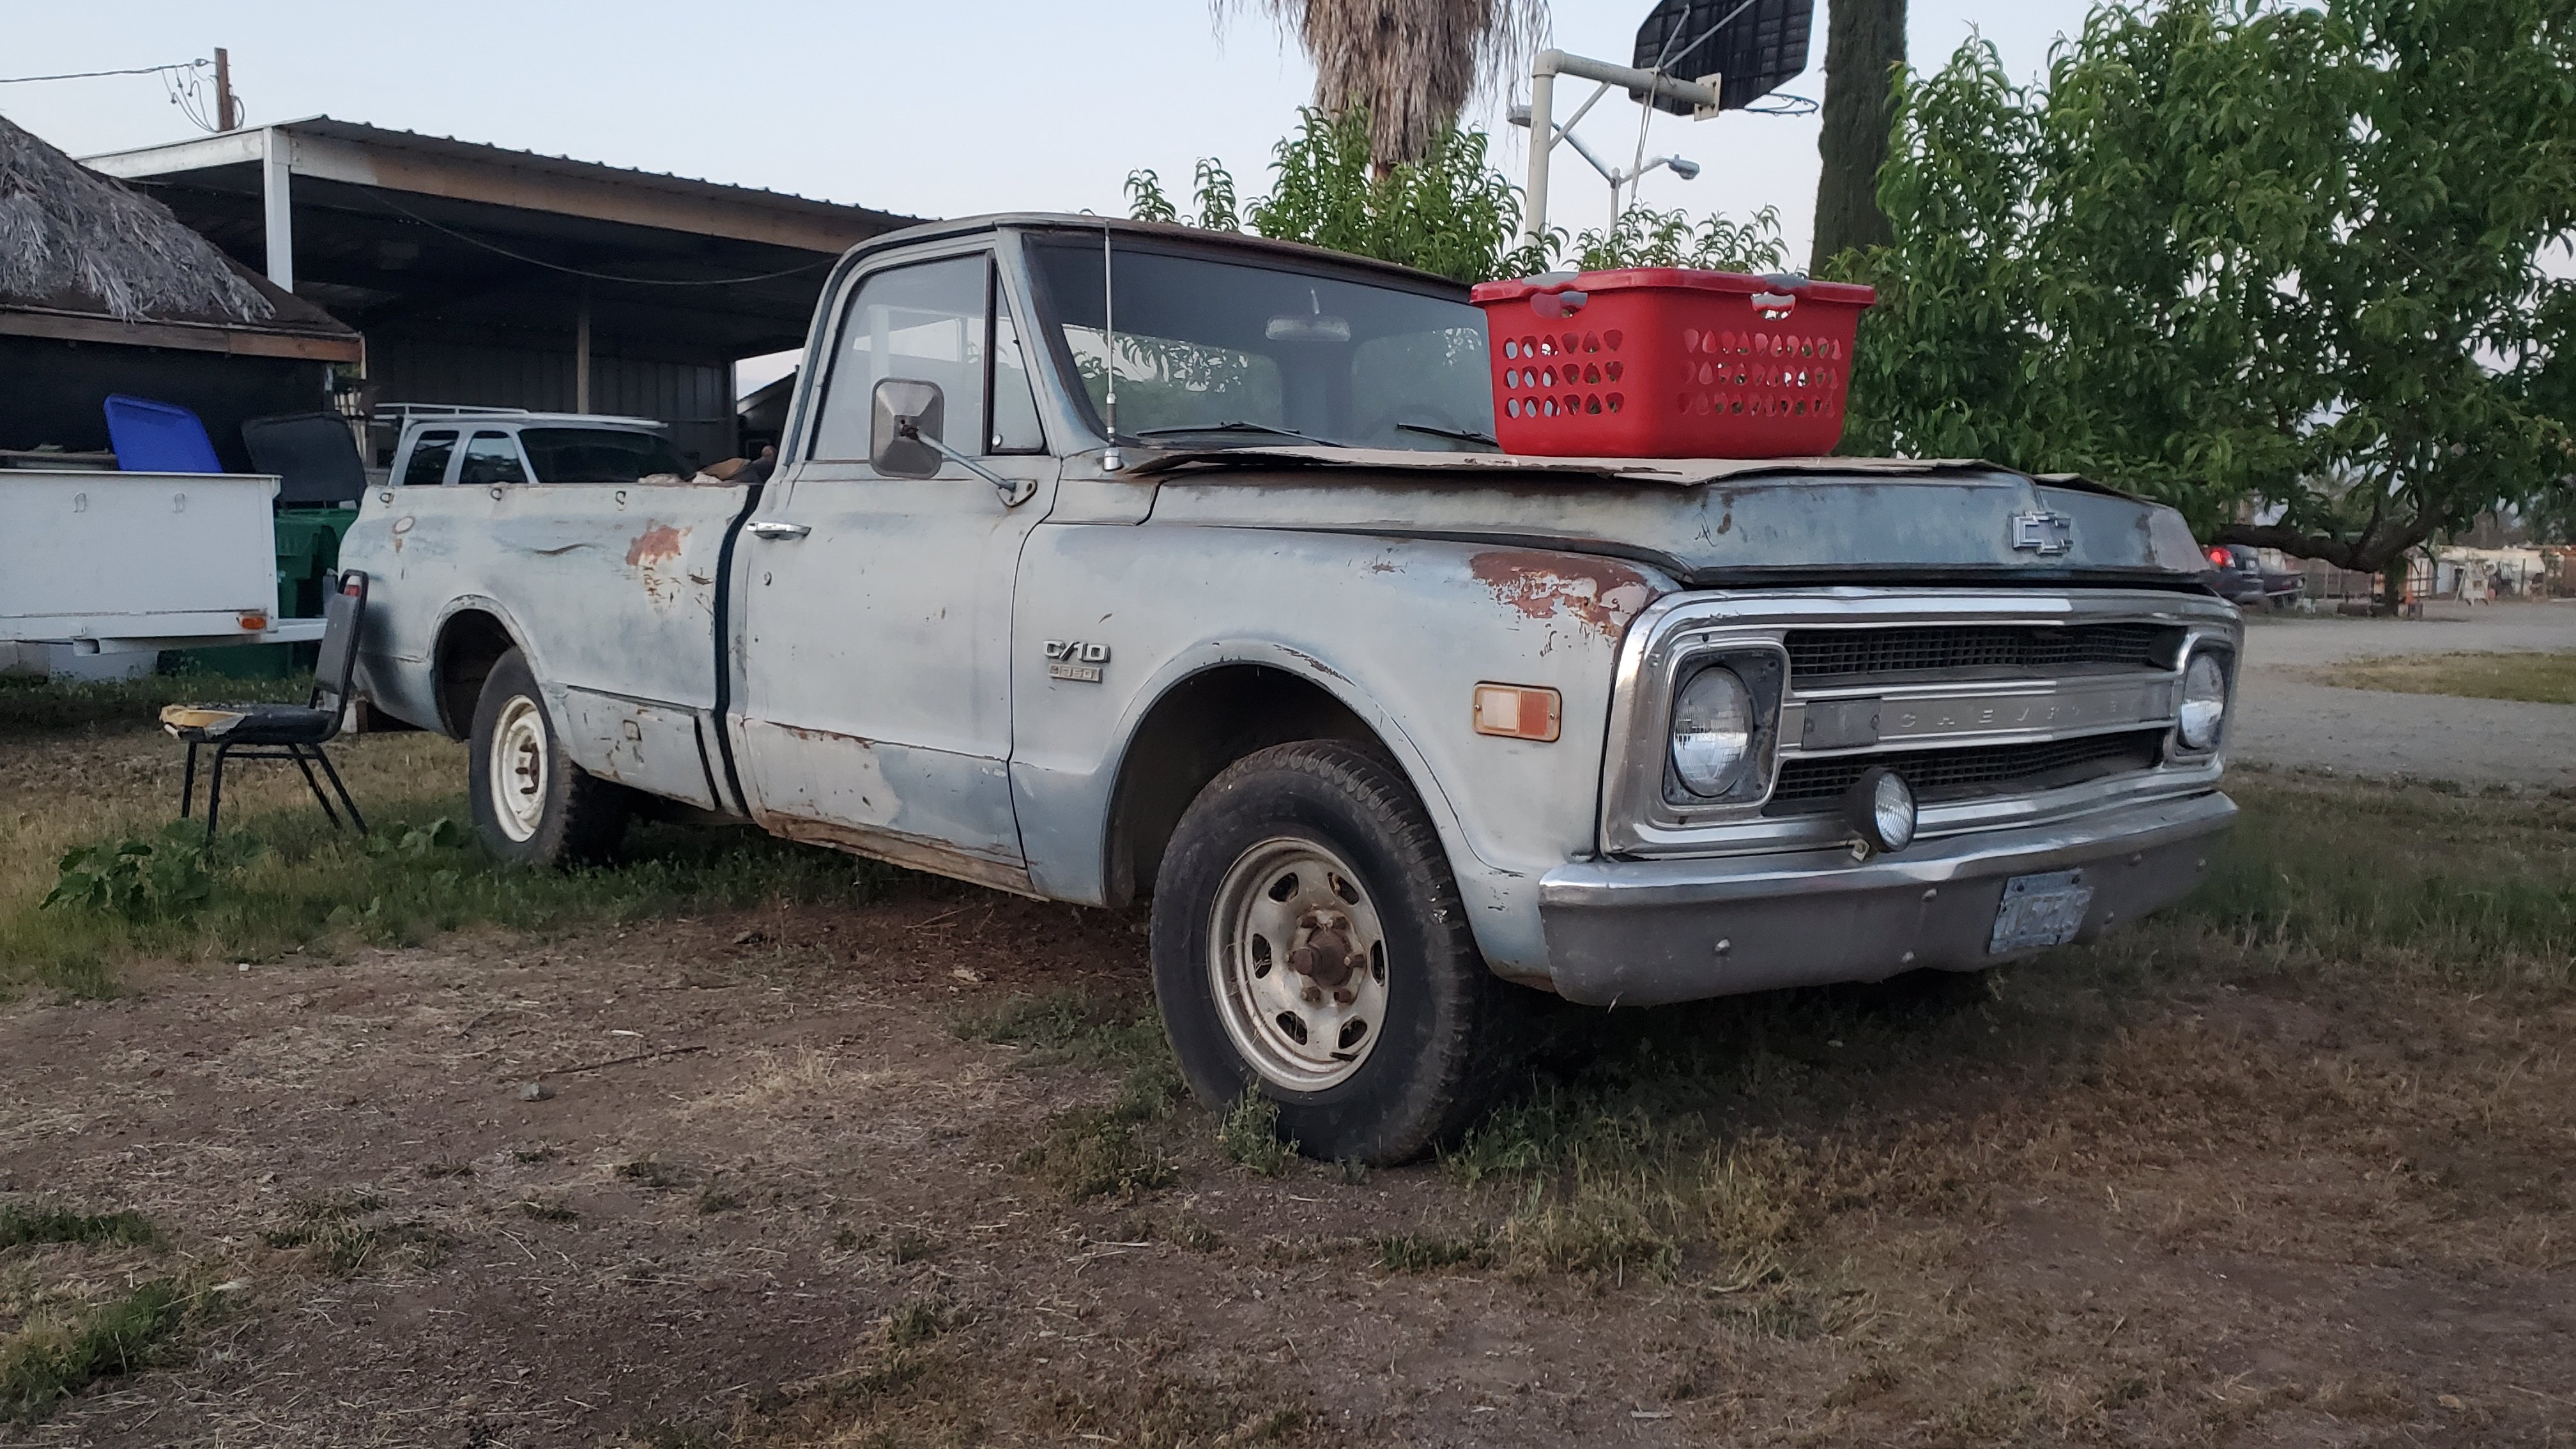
277,209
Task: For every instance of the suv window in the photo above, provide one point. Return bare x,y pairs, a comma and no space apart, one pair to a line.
429,454
926,322
491,458
599,455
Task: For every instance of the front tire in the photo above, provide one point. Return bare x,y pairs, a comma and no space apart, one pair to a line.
532,804
1309,943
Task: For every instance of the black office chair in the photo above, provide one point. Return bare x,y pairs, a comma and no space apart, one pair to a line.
281,731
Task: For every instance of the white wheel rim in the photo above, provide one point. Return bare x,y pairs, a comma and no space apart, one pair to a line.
1303,1022
519,767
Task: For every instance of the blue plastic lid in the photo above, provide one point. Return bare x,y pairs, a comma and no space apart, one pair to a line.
158,437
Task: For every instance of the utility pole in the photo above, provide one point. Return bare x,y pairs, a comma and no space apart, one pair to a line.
227,118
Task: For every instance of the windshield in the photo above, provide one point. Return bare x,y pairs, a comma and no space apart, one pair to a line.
1248,355
598,455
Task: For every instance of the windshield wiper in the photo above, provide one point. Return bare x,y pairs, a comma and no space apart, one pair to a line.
1461,434
1238,425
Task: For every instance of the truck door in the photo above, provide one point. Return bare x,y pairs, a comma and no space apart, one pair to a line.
876,616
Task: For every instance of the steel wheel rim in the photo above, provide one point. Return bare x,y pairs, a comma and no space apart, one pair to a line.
1302,1028
519,767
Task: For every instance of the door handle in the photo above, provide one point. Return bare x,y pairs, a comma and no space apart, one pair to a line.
776,529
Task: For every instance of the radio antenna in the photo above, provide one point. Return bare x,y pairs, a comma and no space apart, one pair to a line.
1111,460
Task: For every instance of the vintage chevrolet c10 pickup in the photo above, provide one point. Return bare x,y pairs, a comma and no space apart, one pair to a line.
1210,586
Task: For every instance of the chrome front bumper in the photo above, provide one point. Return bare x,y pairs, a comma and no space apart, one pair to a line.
1639,933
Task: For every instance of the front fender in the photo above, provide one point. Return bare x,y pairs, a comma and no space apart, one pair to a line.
1399,631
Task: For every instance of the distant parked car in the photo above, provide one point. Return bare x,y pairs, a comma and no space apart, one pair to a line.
2244,582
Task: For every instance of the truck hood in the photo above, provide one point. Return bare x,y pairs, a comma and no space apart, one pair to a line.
1708,523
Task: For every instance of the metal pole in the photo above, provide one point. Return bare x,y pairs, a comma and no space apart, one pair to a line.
1542,141
277,210
581,352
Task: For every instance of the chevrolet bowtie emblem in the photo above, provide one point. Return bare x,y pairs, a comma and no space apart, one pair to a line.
2043,533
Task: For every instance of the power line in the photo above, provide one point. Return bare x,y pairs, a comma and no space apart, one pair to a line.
16,80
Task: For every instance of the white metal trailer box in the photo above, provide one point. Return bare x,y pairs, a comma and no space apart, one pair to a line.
115,561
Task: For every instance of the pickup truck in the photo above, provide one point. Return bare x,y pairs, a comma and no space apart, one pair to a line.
1211,587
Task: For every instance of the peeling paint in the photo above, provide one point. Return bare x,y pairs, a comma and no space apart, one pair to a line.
1596,593
658,541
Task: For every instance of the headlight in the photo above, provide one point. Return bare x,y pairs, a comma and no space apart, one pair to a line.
1712,732
2204,701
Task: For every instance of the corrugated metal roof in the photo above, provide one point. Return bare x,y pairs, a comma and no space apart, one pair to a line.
449,146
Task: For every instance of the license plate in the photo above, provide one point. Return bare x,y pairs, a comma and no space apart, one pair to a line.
2040,910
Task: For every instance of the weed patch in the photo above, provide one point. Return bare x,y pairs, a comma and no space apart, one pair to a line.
105,881
2535,677
24,1223
1250,1135
1060,1027
334,1235
62,1350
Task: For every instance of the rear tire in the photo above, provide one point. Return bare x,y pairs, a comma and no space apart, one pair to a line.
1309,944
532,804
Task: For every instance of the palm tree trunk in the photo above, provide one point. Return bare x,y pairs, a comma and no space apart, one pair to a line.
1864,42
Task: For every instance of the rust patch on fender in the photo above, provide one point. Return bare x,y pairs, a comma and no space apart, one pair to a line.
1596,593
658,541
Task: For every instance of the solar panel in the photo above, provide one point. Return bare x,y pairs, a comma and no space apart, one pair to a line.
1757,45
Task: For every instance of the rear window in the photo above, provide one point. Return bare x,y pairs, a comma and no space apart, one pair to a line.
429,454
599,455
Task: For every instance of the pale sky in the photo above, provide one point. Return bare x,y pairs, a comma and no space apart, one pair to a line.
934,110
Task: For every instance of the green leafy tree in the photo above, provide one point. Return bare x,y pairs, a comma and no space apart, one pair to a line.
1451,212
2257,261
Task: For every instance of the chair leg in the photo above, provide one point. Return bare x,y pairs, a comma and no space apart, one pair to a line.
296,753
324,758
215,793
188,783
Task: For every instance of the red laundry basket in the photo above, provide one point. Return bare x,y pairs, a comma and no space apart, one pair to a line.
1663,362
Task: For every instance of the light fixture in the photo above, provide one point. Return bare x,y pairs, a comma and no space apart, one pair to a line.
1879,807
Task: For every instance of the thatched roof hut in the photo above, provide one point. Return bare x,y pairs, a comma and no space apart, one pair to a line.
103,291
74,240
74,243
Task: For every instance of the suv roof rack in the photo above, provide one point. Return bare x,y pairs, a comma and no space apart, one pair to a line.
403,414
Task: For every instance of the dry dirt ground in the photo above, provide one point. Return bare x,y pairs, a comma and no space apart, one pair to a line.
2176,1192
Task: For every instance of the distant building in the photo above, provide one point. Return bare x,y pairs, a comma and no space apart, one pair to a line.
504,278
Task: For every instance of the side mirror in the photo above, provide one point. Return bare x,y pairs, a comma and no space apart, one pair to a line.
904,428
903,439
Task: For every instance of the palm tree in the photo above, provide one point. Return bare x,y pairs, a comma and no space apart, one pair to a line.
1864,43
1411,64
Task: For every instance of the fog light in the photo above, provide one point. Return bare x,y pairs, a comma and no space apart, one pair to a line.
1879,806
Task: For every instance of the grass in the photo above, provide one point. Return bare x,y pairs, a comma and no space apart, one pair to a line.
23,1224
2535,677
30,705
1725,1143
338,1241
1249,1135
284,880
63,1337
60,1351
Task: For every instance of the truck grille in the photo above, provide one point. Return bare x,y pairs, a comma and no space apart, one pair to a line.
1829,656
1809,786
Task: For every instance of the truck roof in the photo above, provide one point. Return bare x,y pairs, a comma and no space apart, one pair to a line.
1159,231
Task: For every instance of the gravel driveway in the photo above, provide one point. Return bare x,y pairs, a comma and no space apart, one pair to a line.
2284,720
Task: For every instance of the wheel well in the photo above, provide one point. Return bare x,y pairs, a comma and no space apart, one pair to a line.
1201,725
468,646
